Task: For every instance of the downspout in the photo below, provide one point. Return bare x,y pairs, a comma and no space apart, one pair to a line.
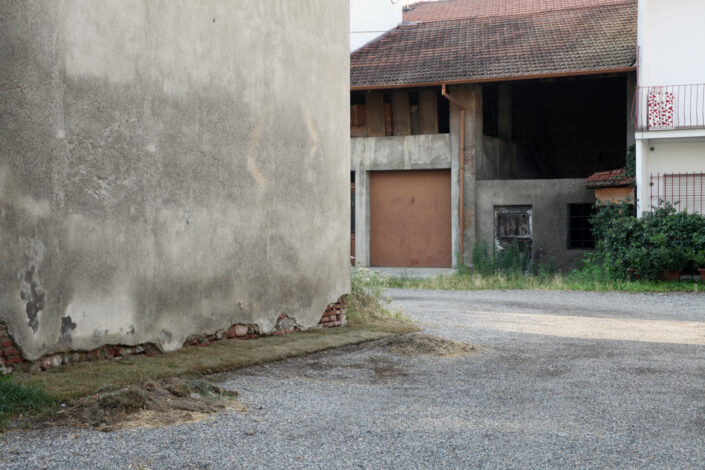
461,173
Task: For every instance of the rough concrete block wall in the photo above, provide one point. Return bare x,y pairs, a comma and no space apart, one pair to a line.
170,169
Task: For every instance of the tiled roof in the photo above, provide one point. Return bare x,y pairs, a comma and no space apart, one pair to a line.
612,178
455,9
558,42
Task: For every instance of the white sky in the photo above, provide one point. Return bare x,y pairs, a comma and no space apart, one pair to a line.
370,18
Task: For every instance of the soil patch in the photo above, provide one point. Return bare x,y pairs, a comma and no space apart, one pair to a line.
426,345
151,404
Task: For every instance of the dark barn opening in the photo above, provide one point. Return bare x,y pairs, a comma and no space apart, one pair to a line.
568,128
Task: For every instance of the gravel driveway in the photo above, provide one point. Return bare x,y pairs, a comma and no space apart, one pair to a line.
563,379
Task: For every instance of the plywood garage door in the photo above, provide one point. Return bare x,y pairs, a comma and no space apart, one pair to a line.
410,218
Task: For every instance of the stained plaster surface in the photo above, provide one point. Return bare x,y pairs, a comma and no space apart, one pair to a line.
169,169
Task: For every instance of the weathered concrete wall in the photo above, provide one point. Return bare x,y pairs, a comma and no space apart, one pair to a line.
170,168
470,96
413,152
549,200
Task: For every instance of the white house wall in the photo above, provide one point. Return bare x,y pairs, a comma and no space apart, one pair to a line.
671,47
667,156
672,42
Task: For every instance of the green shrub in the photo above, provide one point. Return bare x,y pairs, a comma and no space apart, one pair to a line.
663,239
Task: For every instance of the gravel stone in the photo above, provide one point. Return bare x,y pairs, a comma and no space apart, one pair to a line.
564,379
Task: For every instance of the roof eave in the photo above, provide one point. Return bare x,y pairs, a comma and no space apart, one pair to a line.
496,79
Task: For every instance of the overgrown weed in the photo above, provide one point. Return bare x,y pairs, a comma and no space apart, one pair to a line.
366,301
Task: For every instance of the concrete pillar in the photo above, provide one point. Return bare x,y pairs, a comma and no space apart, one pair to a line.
471,98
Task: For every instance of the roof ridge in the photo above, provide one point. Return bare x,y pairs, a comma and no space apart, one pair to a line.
516,15
525,14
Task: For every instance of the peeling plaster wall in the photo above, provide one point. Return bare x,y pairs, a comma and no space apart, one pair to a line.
170,168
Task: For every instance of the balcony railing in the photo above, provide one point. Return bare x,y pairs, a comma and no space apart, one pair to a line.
670,107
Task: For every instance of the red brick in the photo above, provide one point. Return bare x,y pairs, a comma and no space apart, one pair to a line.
11,352
241,330
6,344
13,360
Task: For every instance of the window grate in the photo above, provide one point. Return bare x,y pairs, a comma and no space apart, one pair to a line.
580,236
684,190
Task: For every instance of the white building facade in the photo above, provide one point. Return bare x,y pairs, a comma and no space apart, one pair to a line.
670,105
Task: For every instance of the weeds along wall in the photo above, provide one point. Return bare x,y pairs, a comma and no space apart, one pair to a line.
170,169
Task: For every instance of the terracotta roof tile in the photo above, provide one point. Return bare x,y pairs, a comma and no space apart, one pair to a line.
474,49
456,9
612,178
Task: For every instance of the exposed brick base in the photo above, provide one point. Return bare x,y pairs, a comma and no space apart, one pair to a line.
11,357
334,315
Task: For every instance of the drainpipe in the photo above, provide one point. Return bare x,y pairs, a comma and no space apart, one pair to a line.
461,176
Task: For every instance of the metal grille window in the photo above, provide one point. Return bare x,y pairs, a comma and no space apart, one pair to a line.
579,227
685,190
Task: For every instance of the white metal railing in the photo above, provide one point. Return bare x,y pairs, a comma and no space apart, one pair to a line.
670,107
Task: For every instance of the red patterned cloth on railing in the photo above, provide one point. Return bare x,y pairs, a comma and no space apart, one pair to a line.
660,106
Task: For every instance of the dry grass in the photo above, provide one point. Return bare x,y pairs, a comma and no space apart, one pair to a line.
152,404
427,345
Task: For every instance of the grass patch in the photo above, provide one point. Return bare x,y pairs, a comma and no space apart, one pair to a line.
503,281
73,381
17,399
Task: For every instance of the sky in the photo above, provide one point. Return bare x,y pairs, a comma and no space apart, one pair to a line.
370,18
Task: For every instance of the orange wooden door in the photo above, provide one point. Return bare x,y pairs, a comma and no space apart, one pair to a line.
410,218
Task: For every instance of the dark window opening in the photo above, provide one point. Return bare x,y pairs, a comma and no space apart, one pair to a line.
388,123
490,110
414,112
522,107
443,115
580,234
357,98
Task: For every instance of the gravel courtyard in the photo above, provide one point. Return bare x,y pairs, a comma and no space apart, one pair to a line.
560,379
